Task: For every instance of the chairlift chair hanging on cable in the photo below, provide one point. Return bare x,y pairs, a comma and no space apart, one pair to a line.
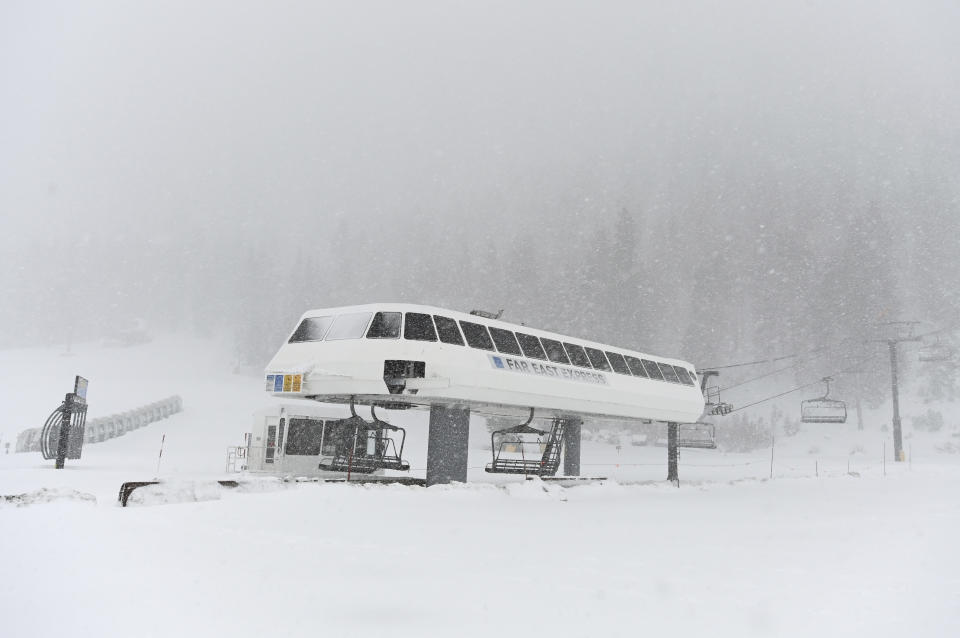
697,435
711,395
935,352
823,409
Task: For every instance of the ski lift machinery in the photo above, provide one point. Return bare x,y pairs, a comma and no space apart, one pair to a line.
713,405
823,409
455,364
703,435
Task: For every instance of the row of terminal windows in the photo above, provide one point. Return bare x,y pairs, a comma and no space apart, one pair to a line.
423,327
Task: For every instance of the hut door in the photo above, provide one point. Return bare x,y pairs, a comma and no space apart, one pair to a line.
270,445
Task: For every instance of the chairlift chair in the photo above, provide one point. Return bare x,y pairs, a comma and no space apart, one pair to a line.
935,352
697,435
369,448
538,457
823,409
711,395
713,405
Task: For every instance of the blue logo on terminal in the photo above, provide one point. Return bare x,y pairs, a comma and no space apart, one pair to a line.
497,361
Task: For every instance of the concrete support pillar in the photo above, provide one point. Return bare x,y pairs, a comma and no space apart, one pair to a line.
447,445
571,447
673,474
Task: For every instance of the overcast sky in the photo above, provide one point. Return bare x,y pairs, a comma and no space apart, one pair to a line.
264,122
250,112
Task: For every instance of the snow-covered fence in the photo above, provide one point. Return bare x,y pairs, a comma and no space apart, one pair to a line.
112,426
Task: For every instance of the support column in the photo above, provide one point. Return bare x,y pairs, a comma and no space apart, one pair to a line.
64,438
571,447
673,431
897,431
447,445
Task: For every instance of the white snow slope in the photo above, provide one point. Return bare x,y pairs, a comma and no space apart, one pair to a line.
726,554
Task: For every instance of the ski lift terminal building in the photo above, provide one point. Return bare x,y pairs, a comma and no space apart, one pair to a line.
404,355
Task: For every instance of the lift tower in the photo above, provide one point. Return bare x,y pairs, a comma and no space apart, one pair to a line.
897,332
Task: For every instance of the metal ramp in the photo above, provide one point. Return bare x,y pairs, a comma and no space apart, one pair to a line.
369,448
545,459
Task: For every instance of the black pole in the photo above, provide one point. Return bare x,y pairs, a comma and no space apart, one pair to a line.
897,433
859,407
64,440
672,453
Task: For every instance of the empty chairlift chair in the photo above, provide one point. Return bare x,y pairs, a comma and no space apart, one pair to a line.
366,447
935,352
823,409
697,435
515,452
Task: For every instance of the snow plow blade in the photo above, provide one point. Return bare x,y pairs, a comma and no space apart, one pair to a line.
127,489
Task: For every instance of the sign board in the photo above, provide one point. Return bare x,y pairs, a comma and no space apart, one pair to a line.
546,370
80,388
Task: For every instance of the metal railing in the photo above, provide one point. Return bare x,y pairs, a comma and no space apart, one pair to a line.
110,427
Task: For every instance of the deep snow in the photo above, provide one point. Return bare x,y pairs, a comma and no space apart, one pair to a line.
728,553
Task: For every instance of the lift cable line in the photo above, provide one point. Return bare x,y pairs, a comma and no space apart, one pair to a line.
762,376
817,349
751,363
807,385
803,353
795,364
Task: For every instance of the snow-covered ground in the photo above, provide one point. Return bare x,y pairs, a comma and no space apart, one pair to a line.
816,551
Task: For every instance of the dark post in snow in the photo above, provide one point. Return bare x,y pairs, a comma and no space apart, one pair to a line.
859,407
74,402
897,433
672,452
64,441
904,332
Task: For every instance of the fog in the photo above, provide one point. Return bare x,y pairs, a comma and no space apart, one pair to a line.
716,180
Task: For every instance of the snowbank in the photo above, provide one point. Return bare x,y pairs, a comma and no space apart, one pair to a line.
45,495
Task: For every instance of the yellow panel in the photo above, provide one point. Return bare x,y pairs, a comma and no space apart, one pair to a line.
297,380
287,382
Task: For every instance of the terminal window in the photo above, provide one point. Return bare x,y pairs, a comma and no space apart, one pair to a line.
385,325
304,437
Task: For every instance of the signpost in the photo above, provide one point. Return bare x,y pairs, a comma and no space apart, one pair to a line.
73,414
